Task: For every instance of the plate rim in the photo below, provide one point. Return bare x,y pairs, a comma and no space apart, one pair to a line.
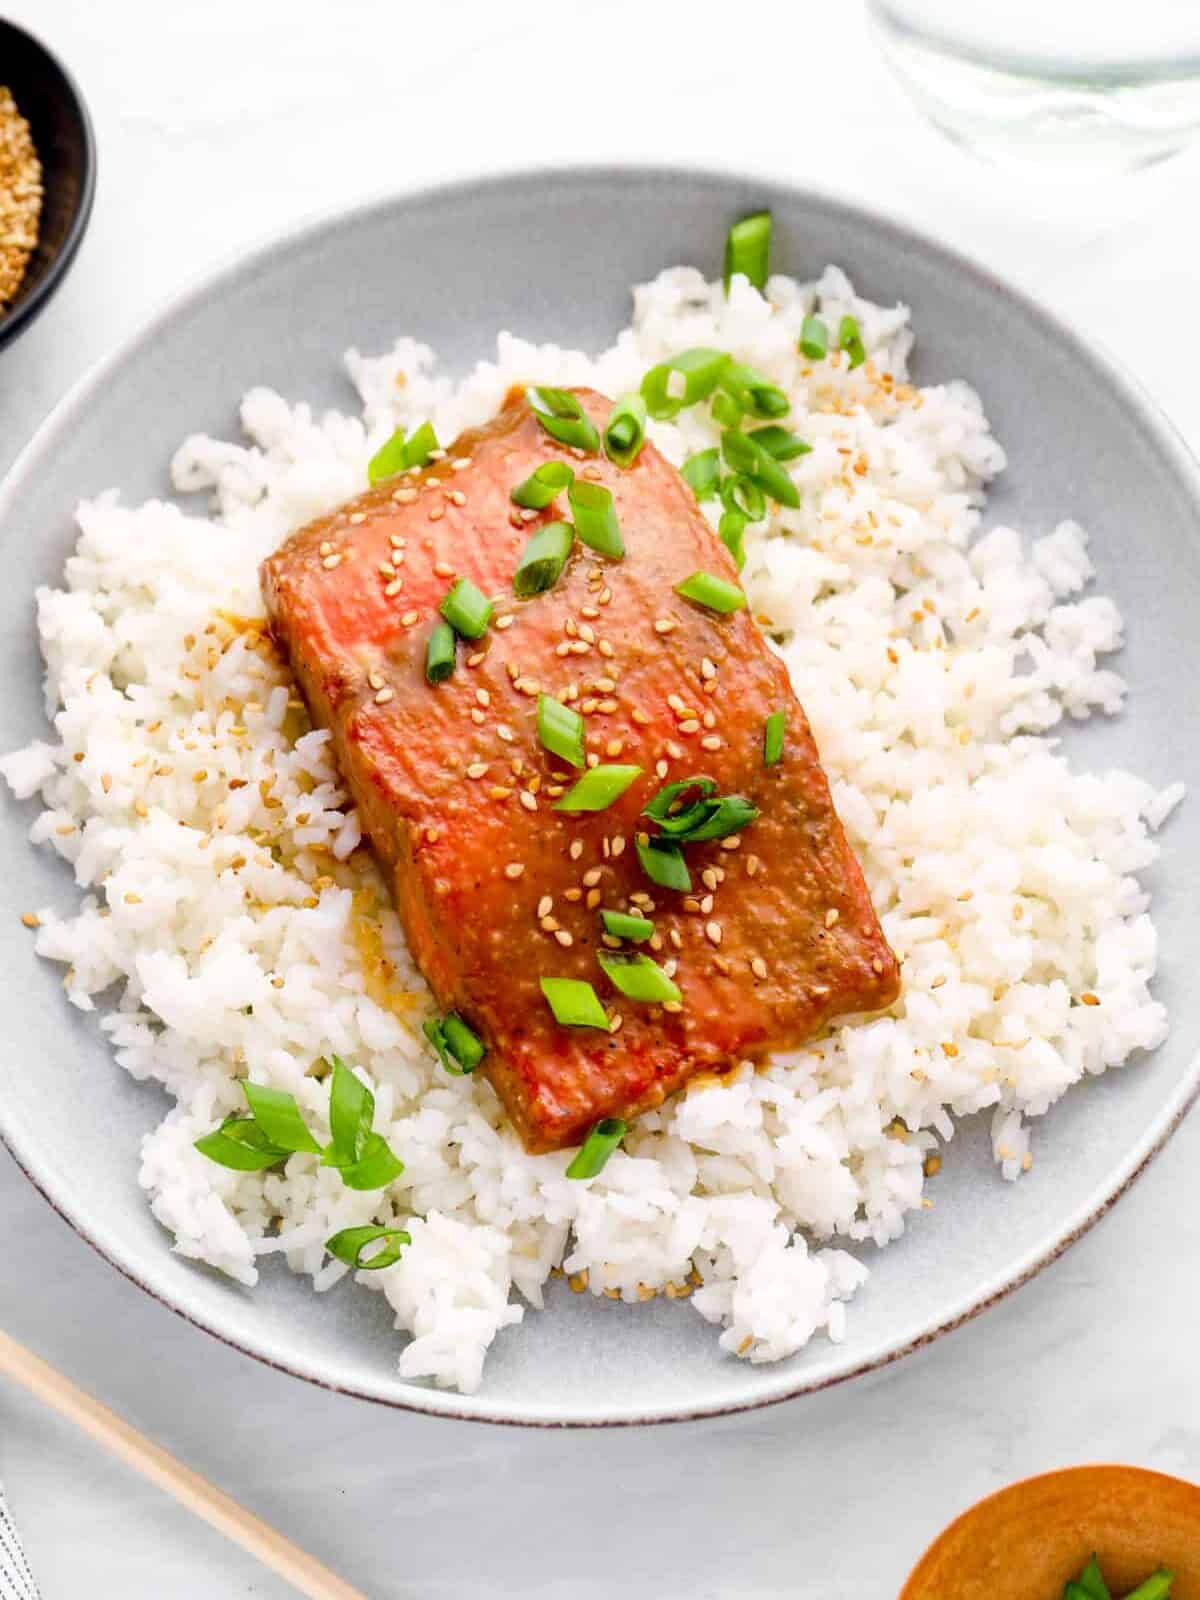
1117,380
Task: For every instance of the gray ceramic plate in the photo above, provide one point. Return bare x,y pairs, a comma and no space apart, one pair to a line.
551,256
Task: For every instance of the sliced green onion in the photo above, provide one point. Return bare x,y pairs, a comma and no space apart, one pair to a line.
748,457
753,392
1091,1581
1156,1587
850,340
420,446
388,460
773,738
278,1115
702,473
743,496
625,430
597,1147
727,815
463,1043
375,1168
598,788
814,339
779,443
664,864
563,418
726,411
574,1003
540,567
638,978
706,589
439,653
708,816
560,729
731,530
748,249
466,610
621,925
684,380
241,1145
351,1112
542,484
667,804
349,1244
596,518
432,1029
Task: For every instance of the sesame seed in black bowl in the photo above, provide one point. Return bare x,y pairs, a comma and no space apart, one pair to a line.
47,176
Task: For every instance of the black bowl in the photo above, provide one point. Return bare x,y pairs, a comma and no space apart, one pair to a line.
47,98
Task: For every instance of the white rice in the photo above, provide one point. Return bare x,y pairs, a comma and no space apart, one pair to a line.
932,660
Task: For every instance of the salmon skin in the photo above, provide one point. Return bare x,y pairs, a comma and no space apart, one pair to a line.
495,888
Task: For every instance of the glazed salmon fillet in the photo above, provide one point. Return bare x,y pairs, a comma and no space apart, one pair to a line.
495,887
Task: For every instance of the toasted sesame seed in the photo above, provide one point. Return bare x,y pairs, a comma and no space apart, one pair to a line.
752,866
385,694
456,497
576,849
578,1281
731,842
831,916
402,497
500,791
476,657
357,517
607,706
876,967
442,569
690,726
477,716
709,719
711,741
392,589
604,685
1090,999
528,686
604,596
592,877
661,769
386,569
618,845
514,869
706,904
331,561
477,769
615,1022
564,938
640,717
673,1006
409,618
323,549
665,625
675,751
707,668
545,906
529,801
505,621
563,649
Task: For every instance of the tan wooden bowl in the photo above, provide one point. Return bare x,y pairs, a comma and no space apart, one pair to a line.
1026,1541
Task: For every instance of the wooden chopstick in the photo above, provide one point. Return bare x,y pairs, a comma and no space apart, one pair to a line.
202,1498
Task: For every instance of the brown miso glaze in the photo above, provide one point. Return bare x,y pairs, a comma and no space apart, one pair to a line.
790,941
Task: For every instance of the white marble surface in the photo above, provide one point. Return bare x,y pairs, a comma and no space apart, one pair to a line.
220,123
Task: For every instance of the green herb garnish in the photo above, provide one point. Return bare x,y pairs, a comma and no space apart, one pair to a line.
850,340
349,1244
597,1147
715,594
684,380
574,1003
638,978
544,558
467,610
439,653
622,925
664,864
814,339
542,484
748,249
596,518
702,473
563,418
773,738
625,430
598,788
560,729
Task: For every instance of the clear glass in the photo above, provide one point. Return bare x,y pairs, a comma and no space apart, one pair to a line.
1104,84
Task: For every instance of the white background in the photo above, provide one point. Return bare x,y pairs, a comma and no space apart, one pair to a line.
219,124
